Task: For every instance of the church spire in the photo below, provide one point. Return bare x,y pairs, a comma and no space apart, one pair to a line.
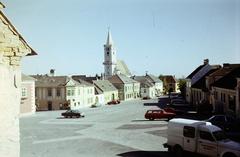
109,38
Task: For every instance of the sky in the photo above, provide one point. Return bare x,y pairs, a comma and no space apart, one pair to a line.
168,37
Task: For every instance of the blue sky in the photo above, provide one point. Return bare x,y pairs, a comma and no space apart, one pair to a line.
158,36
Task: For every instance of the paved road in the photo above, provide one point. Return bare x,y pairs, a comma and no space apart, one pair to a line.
107,131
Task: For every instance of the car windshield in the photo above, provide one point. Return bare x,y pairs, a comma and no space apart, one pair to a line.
219,135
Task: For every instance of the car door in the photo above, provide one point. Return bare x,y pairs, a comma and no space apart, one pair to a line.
189,142
206,144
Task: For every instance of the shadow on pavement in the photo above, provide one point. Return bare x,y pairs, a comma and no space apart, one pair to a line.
142,120
152,154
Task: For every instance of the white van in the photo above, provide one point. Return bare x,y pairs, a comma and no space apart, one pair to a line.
199,137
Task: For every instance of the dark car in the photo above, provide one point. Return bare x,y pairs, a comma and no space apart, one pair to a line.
73,113
226,122
113,102
146,98
159,114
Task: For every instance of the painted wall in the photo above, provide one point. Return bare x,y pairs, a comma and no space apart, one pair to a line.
27,106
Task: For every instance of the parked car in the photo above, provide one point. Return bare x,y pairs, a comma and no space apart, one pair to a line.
178,101
159,114
113,102
225,122
73,113
173,110
146,98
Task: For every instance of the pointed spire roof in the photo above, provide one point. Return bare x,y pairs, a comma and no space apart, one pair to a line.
109,38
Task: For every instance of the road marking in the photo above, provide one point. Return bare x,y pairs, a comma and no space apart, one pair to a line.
57,139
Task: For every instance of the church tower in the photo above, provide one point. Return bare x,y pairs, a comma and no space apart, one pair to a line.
110,59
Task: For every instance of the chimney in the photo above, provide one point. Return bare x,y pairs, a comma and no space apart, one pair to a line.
52,72
206,61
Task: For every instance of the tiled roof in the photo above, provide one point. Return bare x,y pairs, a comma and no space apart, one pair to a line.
227,68
229,81
50,81
121,79
169,79
104,85
26,78
154,78
195,71
201,83
86,78
83,82
144,82
122,67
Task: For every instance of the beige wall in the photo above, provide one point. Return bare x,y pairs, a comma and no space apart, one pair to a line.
42,98
27,105
221,99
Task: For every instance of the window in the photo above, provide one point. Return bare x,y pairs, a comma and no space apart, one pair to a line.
206,135
58,92
24,92
215,95
189,131
68,92
145,91
49,91
107,53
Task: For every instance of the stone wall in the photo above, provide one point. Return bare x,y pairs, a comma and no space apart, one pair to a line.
12,49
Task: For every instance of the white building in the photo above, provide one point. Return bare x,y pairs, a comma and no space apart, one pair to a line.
147,88
80,93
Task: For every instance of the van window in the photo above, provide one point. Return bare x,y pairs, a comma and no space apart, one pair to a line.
189,131
206,135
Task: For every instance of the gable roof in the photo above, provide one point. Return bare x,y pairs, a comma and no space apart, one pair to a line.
229,81
27,78
195,71
227,68
144,81
104,85
201,83
153,78
122,68
83,82
121,79
169,79
6,21
89,79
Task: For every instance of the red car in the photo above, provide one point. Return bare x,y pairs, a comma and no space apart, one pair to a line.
159,114
114,102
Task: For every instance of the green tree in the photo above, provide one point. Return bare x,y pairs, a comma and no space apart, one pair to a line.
182,86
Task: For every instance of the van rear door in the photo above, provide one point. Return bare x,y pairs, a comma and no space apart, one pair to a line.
189,142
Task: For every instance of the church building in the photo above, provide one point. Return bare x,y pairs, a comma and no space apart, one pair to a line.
112,66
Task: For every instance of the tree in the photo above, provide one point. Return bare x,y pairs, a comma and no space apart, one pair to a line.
182,86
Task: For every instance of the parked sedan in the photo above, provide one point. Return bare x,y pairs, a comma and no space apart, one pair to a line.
159,114
113,102
73,113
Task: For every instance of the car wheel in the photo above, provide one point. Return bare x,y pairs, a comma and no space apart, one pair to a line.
151,119
229,155
178,151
